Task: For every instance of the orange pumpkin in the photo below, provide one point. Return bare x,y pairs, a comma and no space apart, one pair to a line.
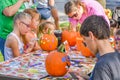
70,36
56,64
48,42
81,47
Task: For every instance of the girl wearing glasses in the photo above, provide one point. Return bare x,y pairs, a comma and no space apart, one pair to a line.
14,42
79,10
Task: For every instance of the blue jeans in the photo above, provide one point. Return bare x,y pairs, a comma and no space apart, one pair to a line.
45,13
2,43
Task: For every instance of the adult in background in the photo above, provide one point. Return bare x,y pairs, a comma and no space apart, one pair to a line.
8,9
79,10
46,8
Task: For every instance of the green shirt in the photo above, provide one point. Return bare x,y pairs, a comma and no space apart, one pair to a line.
6,23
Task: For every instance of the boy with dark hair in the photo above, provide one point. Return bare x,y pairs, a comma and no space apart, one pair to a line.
96,32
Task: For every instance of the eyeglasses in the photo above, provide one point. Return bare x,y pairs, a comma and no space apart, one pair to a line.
26,24
74,15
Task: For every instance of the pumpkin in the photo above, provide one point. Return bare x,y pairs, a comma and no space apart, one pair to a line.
81,47
70,36
48,42
56,64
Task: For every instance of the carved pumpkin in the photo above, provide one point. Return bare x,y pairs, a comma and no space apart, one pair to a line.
70,36
56,64
81,47
48,42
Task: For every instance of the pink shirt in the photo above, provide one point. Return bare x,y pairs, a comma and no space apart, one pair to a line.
94,8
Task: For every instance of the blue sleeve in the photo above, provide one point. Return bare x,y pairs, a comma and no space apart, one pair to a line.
101,73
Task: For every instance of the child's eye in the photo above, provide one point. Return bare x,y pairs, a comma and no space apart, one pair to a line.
116,42
85,44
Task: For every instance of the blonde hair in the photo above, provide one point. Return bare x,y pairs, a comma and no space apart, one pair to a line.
21,16
72,5
43,26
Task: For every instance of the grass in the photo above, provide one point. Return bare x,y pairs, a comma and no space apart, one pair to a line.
1,57
64,24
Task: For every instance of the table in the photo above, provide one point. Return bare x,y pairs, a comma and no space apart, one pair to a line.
31,66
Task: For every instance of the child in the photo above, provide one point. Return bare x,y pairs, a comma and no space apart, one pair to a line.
32,33
117,40
14,44
45,27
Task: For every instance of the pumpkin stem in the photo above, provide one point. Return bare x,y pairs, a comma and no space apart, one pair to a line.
38,37
49,31
78,28
69,26
61,48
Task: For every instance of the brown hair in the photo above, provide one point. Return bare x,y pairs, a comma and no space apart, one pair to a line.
117,32
97,25
72,5
32,12
113,23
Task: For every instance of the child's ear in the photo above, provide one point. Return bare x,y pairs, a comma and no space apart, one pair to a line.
91,35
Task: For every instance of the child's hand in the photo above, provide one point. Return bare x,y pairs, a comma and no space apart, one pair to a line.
31,45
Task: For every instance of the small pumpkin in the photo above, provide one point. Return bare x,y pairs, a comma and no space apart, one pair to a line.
70,36
56,64
48,42
81,47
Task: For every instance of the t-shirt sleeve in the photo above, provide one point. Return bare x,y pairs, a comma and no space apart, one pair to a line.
101,73
5,3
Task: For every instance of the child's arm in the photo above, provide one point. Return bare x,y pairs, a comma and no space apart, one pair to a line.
13,44
51,3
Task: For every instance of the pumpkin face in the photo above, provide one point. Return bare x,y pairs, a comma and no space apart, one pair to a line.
56,64
48,42
81,47
70,36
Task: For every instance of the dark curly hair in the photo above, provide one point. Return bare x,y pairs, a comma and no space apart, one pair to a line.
97,25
